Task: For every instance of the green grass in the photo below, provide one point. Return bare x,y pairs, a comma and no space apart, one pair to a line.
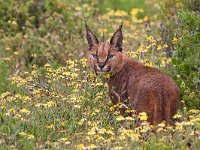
125,5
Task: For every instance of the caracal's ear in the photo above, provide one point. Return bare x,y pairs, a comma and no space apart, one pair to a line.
91,38
117,38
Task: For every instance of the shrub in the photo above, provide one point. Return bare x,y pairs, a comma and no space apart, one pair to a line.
4,75
183,22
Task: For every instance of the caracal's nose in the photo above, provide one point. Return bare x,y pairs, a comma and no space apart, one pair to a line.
101,65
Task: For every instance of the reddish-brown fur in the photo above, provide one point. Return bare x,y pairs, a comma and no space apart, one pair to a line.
146,89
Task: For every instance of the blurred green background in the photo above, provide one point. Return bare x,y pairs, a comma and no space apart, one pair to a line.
38,32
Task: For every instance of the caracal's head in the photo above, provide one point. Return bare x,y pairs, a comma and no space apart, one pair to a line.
105,57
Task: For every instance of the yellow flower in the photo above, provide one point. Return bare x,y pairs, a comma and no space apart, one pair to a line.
22,134
97,110
120,13
135,11
6,114
102,30
16,53
51,126
110,132
161,124
117,148
132,54
194,111
91,132
66,73
150,39
81,146
78,8
159,47
7,58
129,118
159,129
8,48
30,136
120,118
65,140
143,116
165,46
51,104
18,116
74,75
177,116
179,126
63,123
14,22
143,130
12,110
81,121
174,40
108,75
47,65
92,146
47,142
38,104
24,110
99,84
122,137
77,106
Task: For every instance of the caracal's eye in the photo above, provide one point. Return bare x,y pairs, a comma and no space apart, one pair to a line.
94,56
111,56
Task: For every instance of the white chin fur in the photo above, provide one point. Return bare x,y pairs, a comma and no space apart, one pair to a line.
102,72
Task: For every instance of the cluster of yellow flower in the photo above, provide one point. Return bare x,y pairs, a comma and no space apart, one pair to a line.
72,107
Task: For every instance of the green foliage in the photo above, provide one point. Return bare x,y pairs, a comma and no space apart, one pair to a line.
125,5
41,31
187,57
4,75
5,80
183,22
53,30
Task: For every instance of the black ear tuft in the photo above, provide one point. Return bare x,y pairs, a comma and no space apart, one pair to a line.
117,38
91,38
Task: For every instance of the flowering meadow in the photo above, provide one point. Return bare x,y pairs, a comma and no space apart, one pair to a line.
51,100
